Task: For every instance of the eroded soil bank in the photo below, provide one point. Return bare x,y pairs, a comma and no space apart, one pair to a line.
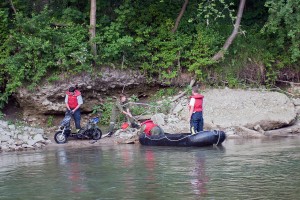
248,113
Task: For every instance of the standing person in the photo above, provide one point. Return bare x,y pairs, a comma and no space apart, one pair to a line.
73,101
195,111
121,105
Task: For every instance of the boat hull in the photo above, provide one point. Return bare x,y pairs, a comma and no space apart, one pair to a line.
203,138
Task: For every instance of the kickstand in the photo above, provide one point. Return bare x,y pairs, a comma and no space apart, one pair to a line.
106,135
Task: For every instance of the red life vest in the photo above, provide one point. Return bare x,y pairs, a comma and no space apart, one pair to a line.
198,102
149,125
72,99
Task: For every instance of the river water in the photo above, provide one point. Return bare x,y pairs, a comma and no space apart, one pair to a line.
241,169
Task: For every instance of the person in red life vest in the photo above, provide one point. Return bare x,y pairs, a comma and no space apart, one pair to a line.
195,111
73,102
150,128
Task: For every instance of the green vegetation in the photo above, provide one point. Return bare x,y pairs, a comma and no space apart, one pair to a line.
44,39
50,121
1,115
104,110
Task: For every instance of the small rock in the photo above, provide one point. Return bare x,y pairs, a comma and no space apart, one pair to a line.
259,129
38,138
296,102
3,123
4,147
27,146
47,141
4,138
177,109
31,142
12,127
158,119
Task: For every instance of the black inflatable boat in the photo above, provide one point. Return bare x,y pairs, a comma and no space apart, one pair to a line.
203,138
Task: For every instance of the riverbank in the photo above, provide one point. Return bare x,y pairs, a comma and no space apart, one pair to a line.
240,113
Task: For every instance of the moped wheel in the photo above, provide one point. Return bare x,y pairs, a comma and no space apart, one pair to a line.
60,137
97,134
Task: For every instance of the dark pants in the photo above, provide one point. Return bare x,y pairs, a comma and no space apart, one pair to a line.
77,118
197,122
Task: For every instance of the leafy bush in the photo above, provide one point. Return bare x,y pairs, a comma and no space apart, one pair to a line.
283,26
105,110
46,38
36,46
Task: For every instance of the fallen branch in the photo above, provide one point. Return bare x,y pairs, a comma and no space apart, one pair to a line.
183,93
291,83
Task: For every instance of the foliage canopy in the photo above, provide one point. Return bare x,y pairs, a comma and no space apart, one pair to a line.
51,37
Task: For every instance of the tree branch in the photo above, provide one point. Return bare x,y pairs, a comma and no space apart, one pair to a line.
234,33
13,7
180,16
193,81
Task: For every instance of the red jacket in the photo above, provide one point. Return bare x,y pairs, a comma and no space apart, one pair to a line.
72,99
198,102
148,126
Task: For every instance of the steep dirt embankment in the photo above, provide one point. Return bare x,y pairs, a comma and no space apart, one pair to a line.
48,98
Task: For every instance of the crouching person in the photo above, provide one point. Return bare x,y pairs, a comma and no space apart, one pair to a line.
121,106
150,128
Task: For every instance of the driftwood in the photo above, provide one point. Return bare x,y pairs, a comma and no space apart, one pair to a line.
288,82
183,93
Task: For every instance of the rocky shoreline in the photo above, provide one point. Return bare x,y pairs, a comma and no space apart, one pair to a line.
18,138
240,113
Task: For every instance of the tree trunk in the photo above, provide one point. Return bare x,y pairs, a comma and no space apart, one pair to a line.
234,33
12,6
92,30
180,16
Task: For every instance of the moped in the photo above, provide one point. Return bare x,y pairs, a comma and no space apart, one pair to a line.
90,130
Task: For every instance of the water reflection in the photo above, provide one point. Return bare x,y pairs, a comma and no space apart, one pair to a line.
72,170
14,159
199,176
129,178
138,172
150,170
